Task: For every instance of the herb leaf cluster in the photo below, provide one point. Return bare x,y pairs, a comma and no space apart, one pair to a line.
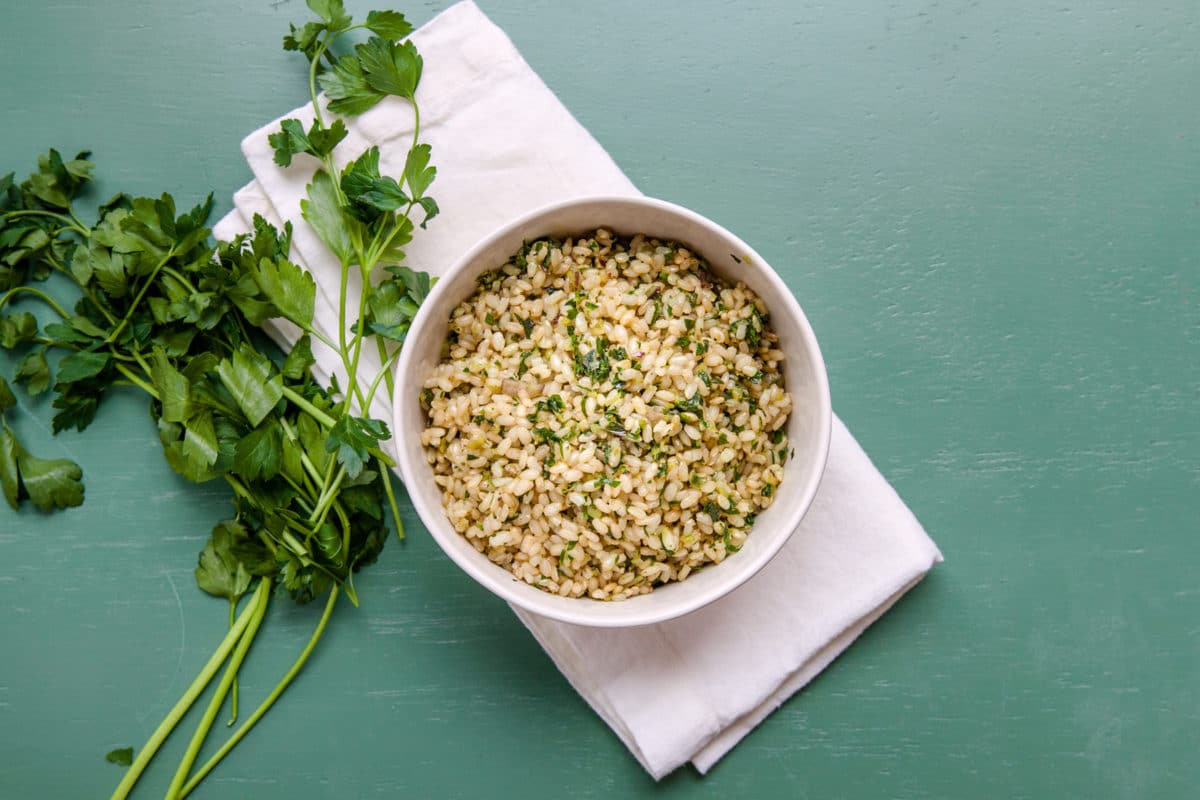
164,310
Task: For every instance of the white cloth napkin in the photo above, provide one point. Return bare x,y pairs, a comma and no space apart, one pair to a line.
683,690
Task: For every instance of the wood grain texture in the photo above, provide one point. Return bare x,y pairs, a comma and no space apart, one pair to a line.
991,213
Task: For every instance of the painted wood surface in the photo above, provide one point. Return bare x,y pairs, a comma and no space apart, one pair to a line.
991,213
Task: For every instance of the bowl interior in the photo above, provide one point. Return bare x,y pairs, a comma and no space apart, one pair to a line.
804,375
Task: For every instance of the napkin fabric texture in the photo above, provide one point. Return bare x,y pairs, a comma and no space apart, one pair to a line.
684,690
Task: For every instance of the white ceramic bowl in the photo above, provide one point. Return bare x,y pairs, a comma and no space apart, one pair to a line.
804,375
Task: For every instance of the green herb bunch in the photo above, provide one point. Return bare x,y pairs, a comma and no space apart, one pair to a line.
365,218
165,310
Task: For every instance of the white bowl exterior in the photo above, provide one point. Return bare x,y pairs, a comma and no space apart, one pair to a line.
804,375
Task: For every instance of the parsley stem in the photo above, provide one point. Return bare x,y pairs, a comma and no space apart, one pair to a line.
379,248
87,292
268,542
381,348
326,420
326,481
383,370
391,496
320,337
193,691
416,129
332,168
302,403
233,697
38,293
116,356
295,545
239,488
135,380
345,523
266,704
300,491
312,79
179,276
368,260
344,283
112,337
71,223
310,470
258,608
352,372
317,518
137,356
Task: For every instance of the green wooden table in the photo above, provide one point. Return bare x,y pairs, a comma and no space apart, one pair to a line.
991,213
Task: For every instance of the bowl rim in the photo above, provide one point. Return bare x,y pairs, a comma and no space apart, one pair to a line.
500,581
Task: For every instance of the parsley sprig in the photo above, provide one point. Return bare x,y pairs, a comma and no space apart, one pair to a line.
364,217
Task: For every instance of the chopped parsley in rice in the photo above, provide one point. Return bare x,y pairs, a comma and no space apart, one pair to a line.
608,415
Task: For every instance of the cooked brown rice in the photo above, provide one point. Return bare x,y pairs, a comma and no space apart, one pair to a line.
608,415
